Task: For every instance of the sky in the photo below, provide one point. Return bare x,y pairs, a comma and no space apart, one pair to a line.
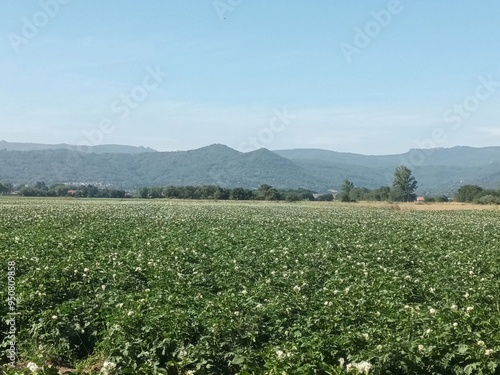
370,77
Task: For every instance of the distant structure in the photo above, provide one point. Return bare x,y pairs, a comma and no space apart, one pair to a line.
334,193
420,199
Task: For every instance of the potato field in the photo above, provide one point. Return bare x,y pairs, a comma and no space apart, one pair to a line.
172,287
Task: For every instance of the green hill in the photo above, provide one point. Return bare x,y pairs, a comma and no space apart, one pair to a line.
216,164
438,171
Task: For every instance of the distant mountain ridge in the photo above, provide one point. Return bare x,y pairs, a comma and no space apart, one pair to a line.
100,149
438,171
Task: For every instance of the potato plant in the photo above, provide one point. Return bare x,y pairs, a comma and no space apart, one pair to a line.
142,287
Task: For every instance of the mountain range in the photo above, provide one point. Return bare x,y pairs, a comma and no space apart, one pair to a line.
100,149
438,171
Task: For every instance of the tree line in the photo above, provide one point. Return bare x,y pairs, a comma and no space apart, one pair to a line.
40,189
264,192
402,190
476,194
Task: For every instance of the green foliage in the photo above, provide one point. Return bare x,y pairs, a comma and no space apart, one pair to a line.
145,287
61,190
404,185
343,197
467,193
488,199
293,197
6,188
345,191
212,165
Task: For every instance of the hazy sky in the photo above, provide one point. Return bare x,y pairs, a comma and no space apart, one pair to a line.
372,77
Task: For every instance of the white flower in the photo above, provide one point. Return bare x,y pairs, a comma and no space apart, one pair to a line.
137,269
237,313
244,291
33,367
107,366
280,354
296,288
379,347
421,347
259,306
481,343
455,324
366,336
407,306
488,351
341,362
130,313
362,367
103,287
86,270
432,311
469,308
466,295
328,303
454,307
54,317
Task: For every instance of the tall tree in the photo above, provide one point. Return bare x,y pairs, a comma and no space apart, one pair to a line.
345,191
404,185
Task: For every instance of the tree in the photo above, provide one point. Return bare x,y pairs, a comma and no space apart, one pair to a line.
241,194
144,192
345,191
404,185
381,194
467,193
40,185
268,193
293,197
5,188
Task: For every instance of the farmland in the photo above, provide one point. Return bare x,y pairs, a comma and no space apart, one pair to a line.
147,287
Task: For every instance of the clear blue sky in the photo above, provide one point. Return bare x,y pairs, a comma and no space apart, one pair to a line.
231,67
